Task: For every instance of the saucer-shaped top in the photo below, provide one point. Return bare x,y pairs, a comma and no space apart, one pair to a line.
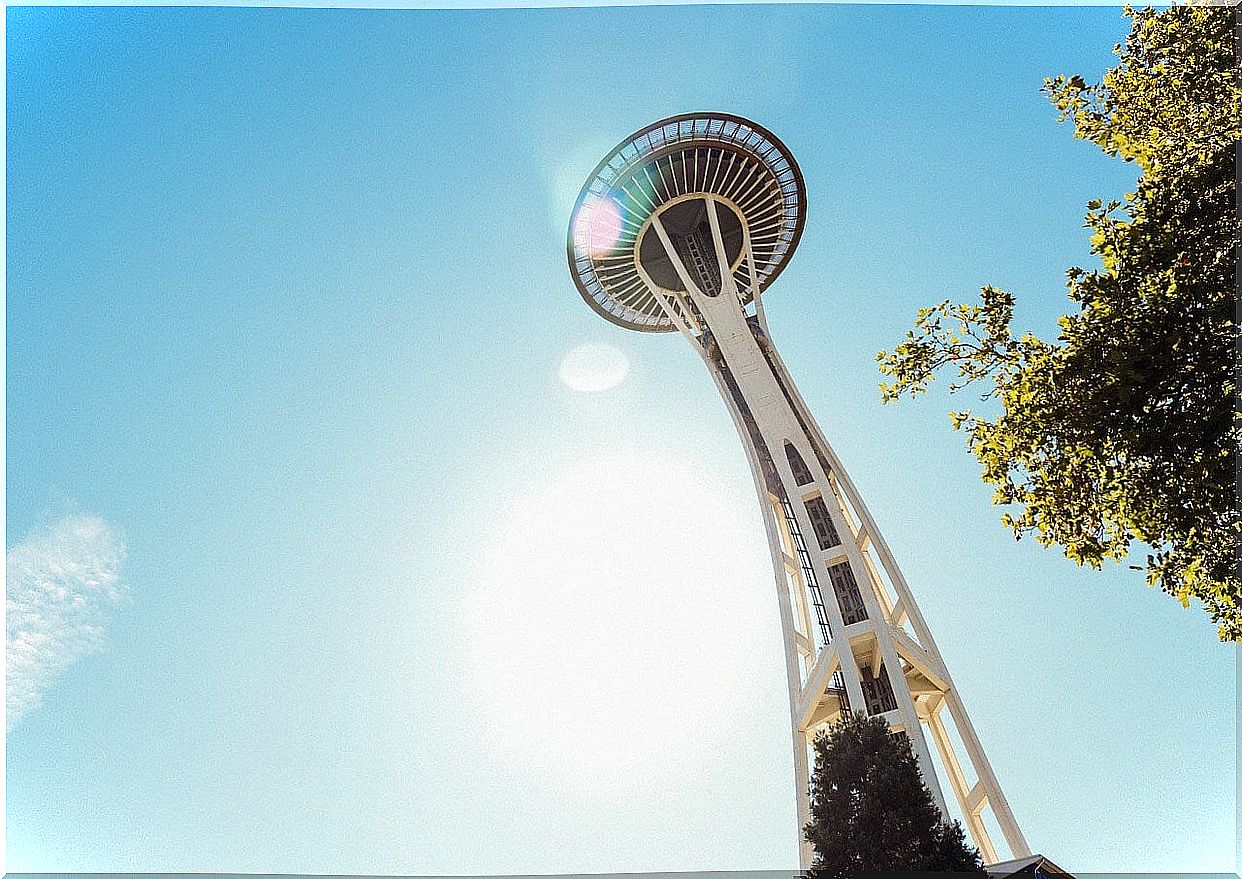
741,164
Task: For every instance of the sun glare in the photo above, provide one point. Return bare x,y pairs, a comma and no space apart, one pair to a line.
618,606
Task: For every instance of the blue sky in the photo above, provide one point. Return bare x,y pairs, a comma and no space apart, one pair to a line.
287,306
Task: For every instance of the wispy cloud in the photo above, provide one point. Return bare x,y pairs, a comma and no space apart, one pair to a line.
61,580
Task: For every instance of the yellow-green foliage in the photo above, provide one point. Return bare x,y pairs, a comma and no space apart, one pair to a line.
1124,430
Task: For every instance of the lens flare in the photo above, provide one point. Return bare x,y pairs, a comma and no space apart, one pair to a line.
594,368
599,224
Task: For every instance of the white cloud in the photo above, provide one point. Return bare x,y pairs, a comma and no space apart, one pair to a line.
61,580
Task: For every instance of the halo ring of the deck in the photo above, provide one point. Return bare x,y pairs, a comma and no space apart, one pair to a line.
694,153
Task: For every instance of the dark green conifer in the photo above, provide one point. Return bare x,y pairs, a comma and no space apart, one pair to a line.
870,809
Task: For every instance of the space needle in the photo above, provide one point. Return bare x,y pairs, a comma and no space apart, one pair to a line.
682,228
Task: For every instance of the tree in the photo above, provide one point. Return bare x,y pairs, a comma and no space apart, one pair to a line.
1123,430
870,809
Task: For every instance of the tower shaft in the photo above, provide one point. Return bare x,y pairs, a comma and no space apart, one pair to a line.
854,639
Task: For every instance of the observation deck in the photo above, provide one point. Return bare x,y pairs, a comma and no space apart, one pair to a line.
660,170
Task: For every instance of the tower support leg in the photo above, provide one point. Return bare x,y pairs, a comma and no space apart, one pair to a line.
824,540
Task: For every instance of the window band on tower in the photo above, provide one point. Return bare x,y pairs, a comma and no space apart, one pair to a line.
801,473
877,690
848,597
825,531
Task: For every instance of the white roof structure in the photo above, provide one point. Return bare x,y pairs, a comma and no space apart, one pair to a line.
1025,867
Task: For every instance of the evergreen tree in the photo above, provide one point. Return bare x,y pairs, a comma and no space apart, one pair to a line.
870,809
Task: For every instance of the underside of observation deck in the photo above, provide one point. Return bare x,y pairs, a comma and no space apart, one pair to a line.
745,166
